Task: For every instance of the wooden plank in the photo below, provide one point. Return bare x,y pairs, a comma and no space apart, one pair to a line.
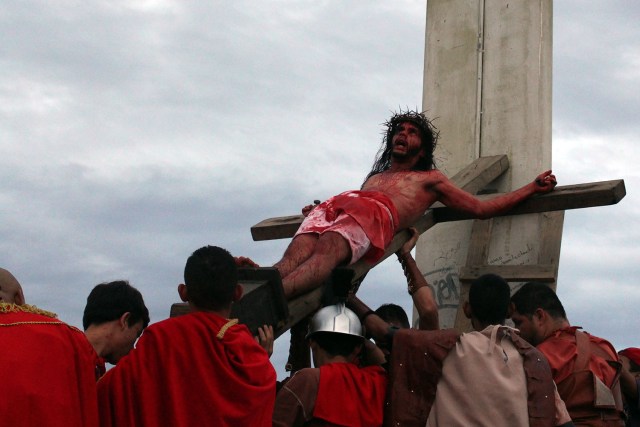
481,172
551,228
301,307
477,254
472,179
511,273
282,227
566,197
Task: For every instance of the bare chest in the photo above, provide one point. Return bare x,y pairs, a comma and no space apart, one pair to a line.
411,192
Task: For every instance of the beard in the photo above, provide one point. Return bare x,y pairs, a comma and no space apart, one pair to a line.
414,152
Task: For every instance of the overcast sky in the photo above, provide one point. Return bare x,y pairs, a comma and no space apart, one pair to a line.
134,132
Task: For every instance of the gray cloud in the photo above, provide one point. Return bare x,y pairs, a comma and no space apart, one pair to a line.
132,134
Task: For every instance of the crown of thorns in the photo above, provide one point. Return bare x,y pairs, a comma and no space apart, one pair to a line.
418,119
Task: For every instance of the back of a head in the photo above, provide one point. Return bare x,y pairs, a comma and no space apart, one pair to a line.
633,355
489,298
10,288
394,314
336,329
211,277
109,301
534,295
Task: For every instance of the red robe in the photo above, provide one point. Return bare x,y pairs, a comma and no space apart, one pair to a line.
351,396
47,371
198,369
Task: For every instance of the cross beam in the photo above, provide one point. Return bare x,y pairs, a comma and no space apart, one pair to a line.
562,198
268,306
472,179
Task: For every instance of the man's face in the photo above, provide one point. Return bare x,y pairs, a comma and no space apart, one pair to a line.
528,327
123,341
406,141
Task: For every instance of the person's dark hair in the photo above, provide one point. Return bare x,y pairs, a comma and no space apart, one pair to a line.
393,313
337,344
428,134
211,276
633,366
534,295
489,297
109,301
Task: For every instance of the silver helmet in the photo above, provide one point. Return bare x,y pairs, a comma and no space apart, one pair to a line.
335,318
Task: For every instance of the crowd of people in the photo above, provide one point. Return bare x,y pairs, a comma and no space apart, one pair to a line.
370,368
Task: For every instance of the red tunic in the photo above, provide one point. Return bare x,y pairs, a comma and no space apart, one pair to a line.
351,396
575,372
47,371
198,369
336,394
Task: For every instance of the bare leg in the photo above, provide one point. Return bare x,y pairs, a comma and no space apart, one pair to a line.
298,251
330,250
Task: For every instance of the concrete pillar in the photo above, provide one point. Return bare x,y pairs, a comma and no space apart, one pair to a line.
487,85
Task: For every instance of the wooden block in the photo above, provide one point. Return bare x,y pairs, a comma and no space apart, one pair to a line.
262,301
178,309
276,228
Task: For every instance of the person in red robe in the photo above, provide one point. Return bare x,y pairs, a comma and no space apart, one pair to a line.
47,368
337,392
585,368
199,369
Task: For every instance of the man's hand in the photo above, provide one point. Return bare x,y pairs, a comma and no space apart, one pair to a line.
545,182
243,261
409,244
265,338
309,208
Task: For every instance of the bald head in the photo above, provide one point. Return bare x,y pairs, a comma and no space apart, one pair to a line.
10,289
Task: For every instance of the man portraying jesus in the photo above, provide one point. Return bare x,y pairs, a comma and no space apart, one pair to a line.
401,186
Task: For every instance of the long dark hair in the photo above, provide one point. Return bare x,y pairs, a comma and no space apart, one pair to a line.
428,133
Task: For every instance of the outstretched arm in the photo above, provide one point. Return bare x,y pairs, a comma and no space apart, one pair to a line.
417,285
455,198
374,325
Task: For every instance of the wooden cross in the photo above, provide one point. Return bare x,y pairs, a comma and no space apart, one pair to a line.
267,304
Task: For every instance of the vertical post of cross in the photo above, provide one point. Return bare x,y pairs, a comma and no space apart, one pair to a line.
487,84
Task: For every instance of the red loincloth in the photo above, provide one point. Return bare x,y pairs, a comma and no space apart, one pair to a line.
198,369
47,371
374,212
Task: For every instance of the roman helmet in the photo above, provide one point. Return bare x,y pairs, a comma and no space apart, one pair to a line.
337,319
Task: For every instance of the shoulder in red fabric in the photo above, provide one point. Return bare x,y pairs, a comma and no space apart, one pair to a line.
48,375
196,369
351,396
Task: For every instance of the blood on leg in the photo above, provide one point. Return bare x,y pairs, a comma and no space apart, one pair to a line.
330,251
